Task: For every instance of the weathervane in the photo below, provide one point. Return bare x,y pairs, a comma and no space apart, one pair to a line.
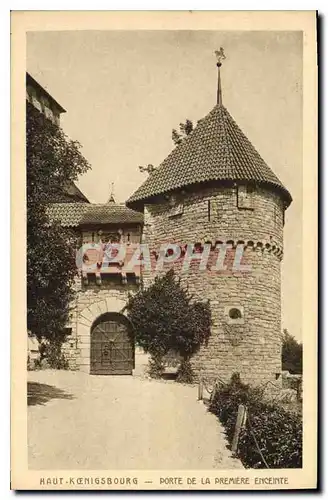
220,56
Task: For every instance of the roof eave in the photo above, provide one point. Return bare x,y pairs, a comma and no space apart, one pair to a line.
30,79
138,203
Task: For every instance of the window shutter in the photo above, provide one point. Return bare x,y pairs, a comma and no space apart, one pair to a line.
245,197
176,206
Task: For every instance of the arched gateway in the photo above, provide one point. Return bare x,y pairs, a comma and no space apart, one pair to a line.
112,346
105,342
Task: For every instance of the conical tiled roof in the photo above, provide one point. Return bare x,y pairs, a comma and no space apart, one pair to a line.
217,150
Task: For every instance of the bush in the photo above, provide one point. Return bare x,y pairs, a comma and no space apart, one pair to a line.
277,431
155,366
165,317
51,356
185,374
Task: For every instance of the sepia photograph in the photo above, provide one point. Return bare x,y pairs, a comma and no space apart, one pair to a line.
164,220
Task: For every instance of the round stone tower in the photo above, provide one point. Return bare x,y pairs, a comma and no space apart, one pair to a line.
216,198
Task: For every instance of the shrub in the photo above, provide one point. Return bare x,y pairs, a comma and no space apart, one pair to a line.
278,432
51,356
185,374
165,317
155,366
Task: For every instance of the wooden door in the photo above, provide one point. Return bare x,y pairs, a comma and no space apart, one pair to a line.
112,349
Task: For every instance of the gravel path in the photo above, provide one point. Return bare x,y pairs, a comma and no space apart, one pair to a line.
79,421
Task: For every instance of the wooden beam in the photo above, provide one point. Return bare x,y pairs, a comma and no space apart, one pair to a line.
240,422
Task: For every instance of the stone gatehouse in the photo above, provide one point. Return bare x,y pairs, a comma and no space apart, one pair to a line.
97,314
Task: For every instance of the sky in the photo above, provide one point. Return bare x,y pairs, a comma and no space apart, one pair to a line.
124,91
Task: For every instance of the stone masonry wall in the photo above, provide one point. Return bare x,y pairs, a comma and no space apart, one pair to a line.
249,345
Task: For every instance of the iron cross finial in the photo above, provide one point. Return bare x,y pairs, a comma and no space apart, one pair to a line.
220,56
111,198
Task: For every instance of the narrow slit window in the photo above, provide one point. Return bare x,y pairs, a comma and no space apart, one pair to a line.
213,210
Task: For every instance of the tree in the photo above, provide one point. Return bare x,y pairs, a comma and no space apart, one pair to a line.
177,137
53,160
292,353
165,317
185,129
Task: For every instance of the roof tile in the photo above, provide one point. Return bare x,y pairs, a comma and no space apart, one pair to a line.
82,214
216,150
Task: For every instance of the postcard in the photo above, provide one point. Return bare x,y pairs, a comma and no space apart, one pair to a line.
164,190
